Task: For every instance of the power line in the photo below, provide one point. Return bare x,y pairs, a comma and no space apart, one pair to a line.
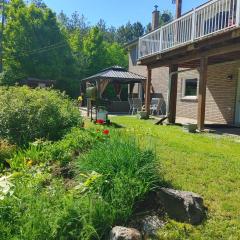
41,50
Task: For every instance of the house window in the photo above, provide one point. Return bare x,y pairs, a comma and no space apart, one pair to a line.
190,87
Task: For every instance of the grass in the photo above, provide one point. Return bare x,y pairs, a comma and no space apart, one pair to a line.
205,164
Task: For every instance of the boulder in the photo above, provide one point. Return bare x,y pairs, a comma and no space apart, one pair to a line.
123,233
183,206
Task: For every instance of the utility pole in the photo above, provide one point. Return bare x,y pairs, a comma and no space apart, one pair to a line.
1,35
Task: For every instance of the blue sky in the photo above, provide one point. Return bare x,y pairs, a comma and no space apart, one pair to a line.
117,12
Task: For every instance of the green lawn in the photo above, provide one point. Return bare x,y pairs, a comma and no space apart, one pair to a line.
202,163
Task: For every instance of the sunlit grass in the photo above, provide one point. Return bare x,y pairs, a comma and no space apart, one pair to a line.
202,163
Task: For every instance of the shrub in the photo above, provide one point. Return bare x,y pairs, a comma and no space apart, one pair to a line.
6,151
28,114
73,144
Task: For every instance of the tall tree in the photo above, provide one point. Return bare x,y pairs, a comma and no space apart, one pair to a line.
35,45
129,32
94,49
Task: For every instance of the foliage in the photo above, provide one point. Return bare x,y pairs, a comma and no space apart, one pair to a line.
117,55
129,32
126,174
205,164
6,151
111,175
94,48
39,44
27,114
35,45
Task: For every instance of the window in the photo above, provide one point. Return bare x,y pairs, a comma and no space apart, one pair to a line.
190,87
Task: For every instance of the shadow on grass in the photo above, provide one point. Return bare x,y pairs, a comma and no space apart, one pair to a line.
116,125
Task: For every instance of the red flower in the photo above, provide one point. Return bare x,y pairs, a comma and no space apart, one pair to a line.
100,121
106,132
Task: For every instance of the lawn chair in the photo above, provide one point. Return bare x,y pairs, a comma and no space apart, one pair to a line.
130,102
157,106
137,105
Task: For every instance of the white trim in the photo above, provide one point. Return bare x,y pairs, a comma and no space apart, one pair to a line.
190,98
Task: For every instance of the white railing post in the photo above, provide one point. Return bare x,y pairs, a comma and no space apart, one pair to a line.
160,42
193,25
238,13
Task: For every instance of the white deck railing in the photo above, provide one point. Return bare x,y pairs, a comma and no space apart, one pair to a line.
211,18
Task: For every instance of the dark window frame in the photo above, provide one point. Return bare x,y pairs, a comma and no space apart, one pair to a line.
187,92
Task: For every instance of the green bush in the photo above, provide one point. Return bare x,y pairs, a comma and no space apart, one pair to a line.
76,142
6,151
28,114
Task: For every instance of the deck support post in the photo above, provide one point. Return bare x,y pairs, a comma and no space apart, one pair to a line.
148,90
202,93
173,69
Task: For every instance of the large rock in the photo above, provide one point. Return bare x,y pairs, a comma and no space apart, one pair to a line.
122,233
182,206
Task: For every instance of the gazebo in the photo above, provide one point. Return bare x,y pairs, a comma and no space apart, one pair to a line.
117,76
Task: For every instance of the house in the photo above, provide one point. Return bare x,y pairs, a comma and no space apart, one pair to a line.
36,82
193,63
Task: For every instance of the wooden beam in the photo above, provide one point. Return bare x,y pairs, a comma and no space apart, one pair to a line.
148,90
173,93
195,55
202,93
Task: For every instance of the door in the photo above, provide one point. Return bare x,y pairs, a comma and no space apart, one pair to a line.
237,113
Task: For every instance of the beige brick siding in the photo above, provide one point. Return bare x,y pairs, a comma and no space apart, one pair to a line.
220,95
221,92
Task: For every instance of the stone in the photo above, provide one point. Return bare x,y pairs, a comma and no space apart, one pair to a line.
148,225
183,206
123,233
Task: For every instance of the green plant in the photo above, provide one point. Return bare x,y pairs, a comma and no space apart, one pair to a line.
111,174
28,114
6,151
77,142
127,174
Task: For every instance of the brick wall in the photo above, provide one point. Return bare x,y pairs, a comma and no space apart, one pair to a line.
220,95
221,92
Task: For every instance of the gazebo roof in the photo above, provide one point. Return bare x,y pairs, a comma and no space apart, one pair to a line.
116,74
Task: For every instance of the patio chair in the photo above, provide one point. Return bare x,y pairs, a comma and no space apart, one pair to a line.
157,106
130,102
137,105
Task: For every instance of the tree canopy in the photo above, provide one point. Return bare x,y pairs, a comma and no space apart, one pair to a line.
37,43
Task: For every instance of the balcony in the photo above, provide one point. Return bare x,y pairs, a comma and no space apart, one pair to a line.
210,19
